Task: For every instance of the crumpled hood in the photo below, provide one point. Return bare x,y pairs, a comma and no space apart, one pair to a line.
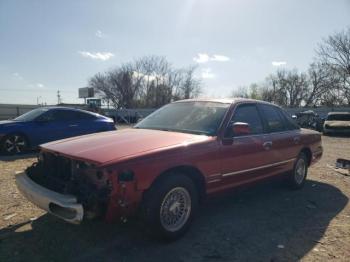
114,146
337,123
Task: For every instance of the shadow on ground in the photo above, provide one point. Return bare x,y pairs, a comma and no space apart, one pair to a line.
247,226
9,158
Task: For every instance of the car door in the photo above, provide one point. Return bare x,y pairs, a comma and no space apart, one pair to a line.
50,126
86,123
284,138
245,158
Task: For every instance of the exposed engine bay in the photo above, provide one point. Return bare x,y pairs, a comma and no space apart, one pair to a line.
63,175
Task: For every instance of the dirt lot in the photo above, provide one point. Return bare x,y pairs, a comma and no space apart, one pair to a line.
264,223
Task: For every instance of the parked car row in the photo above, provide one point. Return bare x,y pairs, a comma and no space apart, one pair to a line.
333,123
46,124
166,165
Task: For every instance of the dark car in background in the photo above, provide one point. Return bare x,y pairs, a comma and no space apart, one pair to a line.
337,123
310,120
46,124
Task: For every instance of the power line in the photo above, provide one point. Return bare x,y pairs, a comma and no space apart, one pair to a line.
33,90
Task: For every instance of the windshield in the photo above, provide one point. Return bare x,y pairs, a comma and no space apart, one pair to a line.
339,117
31,115
188,117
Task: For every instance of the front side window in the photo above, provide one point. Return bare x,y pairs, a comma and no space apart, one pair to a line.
198,117
32,115
247,114
274,120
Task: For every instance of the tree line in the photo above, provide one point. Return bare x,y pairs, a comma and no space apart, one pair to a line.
326,82
147,82
152,81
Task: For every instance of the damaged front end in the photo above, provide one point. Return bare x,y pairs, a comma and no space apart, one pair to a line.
70,189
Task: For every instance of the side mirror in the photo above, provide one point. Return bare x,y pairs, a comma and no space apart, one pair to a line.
240,129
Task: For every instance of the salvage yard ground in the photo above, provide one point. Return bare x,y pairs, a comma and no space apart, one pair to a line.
263,223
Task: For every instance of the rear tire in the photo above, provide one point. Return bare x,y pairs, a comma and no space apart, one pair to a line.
170,205
298,175
14,144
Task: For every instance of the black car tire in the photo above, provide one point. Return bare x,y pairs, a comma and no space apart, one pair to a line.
14,144
163,205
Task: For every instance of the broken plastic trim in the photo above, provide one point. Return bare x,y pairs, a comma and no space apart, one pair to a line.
65,212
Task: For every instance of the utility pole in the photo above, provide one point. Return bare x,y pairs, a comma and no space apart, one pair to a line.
58,97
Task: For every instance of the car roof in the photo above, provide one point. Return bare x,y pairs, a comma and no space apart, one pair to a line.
338,113
68,108
224,100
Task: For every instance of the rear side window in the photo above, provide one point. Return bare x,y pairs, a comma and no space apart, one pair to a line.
83,116
249,114
274,120
288,120
63,115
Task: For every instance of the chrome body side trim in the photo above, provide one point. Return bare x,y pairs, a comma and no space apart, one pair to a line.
257,168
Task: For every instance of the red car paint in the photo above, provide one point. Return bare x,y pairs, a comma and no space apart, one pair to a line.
223,163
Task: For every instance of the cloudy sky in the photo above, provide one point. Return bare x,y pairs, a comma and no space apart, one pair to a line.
47,46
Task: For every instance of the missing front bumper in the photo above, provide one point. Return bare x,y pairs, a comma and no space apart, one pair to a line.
63,206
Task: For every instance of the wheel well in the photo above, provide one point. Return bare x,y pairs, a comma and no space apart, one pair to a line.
191,172
308,154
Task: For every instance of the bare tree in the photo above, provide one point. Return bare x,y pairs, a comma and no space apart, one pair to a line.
322,81
186,84
334,52
101,83
150,81
286,88
241,91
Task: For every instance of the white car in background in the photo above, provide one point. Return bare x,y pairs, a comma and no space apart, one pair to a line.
337,123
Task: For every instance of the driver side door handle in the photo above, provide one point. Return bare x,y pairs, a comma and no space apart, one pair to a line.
267,145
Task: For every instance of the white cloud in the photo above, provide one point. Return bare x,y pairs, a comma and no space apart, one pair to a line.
220,58
99,34
207,73
201,58
17,76
278,63
40,85
204,58
104,56
151,77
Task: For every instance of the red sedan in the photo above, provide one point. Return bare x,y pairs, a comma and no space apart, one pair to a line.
169,162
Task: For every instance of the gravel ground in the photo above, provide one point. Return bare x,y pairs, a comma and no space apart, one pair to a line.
263,223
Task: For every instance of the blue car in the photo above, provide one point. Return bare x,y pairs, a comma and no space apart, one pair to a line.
46,124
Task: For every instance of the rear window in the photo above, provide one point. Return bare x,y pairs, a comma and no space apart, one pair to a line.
339,117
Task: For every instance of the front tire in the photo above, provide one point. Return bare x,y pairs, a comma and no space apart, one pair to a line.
298,176
14,144
170,205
